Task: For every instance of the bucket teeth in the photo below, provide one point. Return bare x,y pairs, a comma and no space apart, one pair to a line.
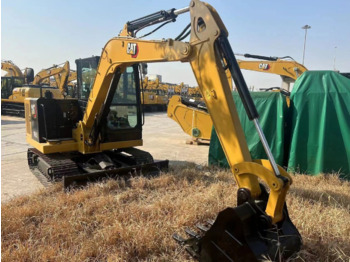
191,233
190,244
178,238
210,222
192,252
203,228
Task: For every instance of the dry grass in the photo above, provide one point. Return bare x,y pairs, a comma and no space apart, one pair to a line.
134,220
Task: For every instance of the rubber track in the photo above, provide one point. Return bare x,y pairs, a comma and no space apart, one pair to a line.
12,109
60,166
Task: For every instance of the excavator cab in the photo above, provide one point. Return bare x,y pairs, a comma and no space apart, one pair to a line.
121,115
8,84
54,124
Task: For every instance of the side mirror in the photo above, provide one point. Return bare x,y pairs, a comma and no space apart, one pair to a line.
29,75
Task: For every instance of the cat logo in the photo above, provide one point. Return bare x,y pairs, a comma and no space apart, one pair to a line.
132,49
264,66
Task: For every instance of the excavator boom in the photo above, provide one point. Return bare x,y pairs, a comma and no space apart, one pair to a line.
11,69
289,70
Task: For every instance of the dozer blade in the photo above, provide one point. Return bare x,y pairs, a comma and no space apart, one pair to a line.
245,233
149,169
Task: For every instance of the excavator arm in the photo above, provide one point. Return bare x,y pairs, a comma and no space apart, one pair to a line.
61,75
289,70
280,67
11,69
72,76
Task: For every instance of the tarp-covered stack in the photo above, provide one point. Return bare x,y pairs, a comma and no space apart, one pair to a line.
320,124
312,136
272,108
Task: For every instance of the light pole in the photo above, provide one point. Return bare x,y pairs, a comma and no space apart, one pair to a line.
335,56
306,27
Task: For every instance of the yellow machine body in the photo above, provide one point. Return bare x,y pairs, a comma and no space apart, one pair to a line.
19,94
153,94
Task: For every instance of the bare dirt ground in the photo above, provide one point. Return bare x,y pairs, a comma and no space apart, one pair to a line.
162,137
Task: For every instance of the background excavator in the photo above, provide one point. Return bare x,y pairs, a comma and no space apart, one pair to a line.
11,69
70,88
289,70
61,75
14,77
153,96
192,114
95,135
15,89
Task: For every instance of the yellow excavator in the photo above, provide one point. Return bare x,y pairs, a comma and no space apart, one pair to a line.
71,85
153,96
192,115
12,101
95,135
14,76
61,75
11,69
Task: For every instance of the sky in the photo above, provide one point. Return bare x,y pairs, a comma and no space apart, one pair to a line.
40,33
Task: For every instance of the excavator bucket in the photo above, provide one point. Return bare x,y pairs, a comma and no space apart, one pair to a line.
244,233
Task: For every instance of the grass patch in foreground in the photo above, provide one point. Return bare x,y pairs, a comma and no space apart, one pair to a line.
134,220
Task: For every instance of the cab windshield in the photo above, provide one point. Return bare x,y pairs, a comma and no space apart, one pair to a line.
123,109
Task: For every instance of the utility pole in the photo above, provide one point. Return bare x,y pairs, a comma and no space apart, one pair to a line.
335,56
306,27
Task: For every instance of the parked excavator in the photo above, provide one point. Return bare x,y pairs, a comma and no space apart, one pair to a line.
153,96
15,90
14,77
56,82
11,69
71,83
95,135
61,75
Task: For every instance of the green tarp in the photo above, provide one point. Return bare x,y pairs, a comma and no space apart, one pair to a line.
272,108
320,124
312,136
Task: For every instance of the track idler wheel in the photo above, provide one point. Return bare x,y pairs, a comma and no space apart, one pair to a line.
244,233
